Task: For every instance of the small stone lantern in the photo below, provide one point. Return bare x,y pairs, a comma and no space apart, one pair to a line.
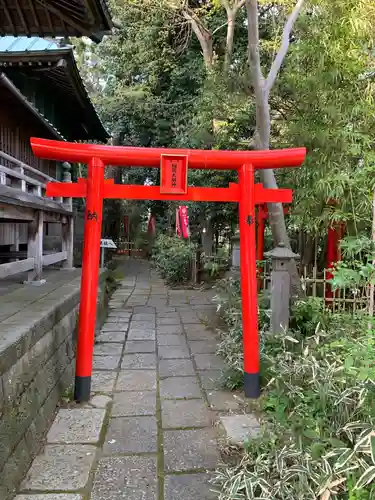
280,287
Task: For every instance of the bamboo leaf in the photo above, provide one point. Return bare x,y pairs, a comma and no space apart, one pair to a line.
367,477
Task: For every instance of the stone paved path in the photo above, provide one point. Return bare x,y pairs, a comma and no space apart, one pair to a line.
148,433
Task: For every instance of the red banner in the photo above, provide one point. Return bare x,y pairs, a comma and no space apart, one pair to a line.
126,224
151,225
184,221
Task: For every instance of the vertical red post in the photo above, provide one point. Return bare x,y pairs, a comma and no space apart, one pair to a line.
89,281
334,233
261,226
249,282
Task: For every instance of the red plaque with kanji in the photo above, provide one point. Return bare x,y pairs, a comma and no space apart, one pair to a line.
173,174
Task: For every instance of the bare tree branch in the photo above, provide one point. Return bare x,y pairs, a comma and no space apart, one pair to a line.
285,41
231,22
219,27
253,48
203,34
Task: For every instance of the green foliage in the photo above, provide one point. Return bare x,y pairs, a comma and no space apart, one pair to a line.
318,406
326,94
172,257
318,417
308,314
357,268
213,268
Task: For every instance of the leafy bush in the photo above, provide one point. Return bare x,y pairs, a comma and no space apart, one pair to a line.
357,268
318,407
172,257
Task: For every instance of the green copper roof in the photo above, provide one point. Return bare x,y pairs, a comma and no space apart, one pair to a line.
46,74
27,44
55,18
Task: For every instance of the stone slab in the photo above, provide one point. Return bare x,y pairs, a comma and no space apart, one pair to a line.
144,310
127,404
115,327
173,352
240,428
175,367
138,346
200,327
103,381
179,388
184,413
188,487
209,362
142,325
223,401
169,320
157,303
119,314
141,334
125,478
165,311
200,335
190,449
114,304
169,330
138,361
131,435
210,379
144,317
203,346
108,349
48,496
60,468
100,401
118,319
136,380
171,340
105,362
189,318
72,426
112,337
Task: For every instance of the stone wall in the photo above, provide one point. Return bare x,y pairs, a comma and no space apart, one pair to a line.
36,368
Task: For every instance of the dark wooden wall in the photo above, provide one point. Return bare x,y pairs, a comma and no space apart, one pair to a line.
17,125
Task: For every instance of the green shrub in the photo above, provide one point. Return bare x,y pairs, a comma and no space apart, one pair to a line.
173,257
318,406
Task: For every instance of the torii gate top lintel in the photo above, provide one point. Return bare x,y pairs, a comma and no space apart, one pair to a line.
150,157
174,164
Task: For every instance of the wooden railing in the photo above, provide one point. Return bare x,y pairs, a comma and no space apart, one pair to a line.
24,178
18,177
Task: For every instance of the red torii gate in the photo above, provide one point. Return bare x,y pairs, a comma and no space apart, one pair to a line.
174,165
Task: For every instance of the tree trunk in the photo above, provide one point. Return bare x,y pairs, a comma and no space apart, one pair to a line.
112,223
262,88
230,41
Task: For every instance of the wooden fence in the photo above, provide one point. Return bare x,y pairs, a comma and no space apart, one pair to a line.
316,284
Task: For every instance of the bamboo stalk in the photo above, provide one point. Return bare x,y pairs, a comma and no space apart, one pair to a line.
371,301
